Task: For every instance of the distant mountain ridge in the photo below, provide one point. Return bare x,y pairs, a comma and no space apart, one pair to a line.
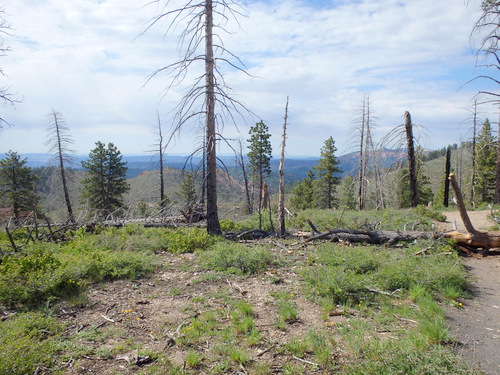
296,167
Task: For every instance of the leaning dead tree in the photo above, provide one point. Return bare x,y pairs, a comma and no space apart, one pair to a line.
208,97
59,141
473,237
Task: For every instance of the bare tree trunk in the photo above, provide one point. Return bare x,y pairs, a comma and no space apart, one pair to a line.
497,175
281,197
447,180
213,225
412,163
160,152
361,201
473,158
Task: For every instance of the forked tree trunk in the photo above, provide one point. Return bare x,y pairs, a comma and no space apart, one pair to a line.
281,195
412,163
213,225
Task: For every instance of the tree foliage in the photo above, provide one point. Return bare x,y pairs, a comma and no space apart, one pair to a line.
303,192
105,179
485,162
17,184
328,175
259,157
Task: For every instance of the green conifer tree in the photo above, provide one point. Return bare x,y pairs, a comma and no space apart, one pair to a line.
486,150
259,157
17,184
105,179
328,175
303,193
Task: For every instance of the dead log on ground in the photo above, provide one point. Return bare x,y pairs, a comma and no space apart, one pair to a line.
373,237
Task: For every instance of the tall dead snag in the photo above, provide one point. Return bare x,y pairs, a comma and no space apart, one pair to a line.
473,237
473,153
59,141
281,196
497,171
412,163
208,98
447,180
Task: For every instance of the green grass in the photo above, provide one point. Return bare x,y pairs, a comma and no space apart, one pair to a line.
28,340
237,258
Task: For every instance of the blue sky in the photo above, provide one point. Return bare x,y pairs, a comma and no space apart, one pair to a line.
84,59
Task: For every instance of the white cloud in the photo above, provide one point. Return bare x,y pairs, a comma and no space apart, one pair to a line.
84,59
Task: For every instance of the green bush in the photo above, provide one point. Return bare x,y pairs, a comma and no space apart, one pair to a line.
28,341
188,240
237,258
45,272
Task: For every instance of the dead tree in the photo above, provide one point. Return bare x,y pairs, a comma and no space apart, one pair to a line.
6,97
473,153
159,149
208,96
403,135
412,163
446,198
59,141
473,237
497,168
281,195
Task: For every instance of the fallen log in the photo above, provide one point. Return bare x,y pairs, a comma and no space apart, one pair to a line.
373,237
473,237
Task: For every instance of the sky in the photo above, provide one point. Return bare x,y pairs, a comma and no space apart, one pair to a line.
90,61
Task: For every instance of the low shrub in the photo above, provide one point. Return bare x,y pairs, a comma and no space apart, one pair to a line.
237,258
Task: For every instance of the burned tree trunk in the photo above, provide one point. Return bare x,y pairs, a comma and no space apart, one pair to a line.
412,163
446,198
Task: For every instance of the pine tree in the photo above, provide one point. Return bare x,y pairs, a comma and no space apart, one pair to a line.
328,172
303,193
260,158
485,163
17,184
105,179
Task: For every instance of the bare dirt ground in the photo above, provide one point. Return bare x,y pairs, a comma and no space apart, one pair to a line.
151,314
477,325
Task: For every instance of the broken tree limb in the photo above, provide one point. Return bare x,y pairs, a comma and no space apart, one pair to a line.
473,237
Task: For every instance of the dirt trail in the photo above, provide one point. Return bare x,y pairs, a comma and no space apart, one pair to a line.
477,325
